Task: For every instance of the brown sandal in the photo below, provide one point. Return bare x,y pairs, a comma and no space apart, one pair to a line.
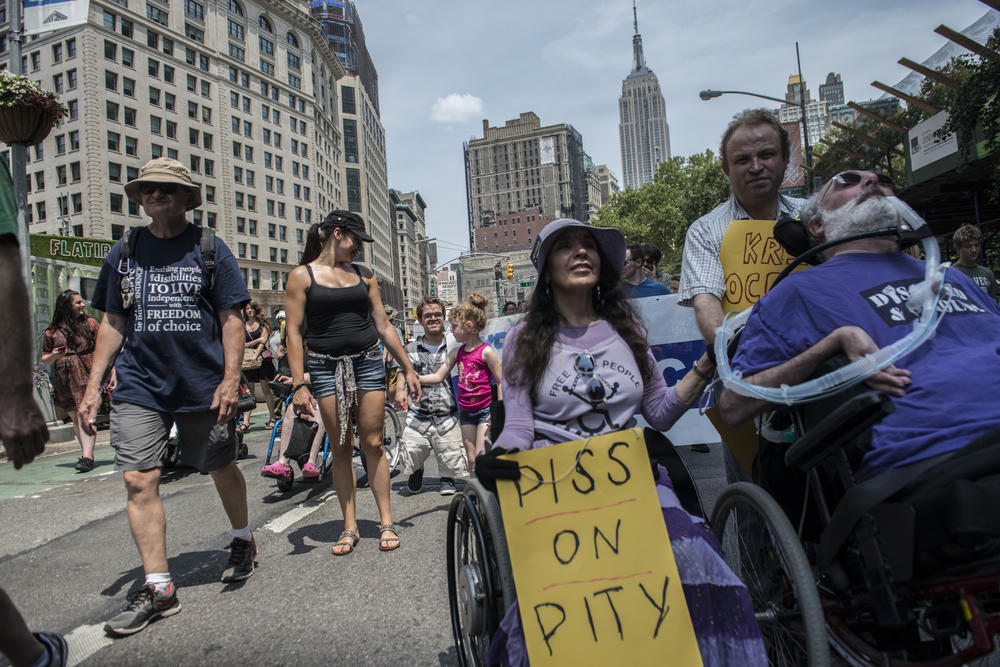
341,542
393,541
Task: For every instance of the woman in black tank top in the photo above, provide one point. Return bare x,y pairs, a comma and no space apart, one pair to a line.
333,307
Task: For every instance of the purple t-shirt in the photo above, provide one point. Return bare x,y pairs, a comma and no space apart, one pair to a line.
955,375
566,409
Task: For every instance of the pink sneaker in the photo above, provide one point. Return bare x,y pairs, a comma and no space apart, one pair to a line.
309,470
277,470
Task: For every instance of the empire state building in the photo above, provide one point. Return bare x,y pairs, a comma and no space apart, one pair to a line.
642,120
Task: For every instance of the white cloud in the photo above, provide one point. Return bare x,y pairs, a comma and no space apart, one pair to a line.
456,108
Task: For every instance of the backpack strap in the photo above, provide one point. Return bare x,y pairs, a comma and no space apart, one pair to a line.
125,254
207,241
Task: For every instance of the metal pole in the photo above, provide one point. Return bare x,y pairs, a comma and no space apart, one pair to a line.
19,171
805,123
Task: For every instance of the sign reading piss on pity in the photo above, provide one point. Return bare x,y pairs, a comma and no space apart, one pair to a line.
596,578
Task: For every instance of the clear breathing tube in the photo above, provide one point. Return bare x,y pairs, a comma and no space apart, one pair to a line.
924,301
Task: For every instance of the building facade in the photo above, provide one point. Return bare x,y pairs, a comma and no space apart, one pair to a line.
488,274
524,166
511,231
411,244
833,90
643,132
609,183
243,93
447,285
341,24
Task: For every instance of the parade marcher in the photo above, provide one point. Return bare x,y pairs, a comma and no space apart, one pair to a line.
968,241
171,293
432,422
68,345
257,332
634,275
478,366
651,256
22,426
580,323
335,310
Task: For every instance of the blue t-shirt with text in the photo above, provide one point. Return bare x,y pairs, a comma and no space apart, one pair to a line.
172,360
955,375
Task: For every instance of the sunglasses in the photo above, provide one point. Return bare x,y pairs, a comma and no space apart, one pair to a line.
165,188
586,365
854,177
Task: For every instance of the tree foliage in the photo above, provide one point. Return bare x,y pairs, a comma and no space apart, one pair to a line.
683,190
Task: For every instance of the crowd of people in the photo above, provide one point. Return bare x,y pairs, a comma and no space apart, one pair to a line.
578,364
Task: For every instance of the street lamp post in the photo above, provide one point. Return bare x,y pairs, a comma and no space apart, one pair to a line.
710,94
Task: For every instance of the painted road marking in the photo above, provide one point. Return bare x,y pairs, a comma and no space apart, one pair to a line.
296,514
85,641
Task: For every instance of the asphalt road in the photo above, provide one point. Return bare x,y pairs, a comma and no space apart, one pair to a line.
68,560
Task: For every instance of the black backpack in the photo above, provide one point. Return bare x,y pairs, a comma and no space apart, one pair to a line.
206,239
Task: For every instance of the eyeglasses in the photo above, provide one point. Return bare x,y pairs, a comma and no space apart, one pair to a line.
854,177
586,365
642,262
165,188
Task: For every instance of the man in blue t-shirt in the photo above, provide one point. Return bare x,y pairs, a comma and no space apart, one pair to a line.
177,324
855,303
636,281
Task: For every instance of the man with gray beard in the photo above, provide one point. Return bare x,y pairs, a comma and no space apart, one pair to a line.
854,303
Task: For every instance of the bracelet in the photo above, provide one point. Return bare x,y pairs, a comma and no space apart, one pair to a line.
702,374
299,386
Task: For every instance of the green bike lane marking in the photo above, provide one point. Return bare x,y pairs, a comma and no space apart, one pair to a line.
49,472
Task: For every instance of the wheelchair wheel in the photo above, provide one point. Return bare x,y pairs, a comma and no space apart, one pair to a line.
480,582
764,551
392,438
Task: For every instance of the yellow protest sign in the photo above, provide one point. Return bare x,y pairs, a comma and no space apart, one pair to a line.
751,259
595,575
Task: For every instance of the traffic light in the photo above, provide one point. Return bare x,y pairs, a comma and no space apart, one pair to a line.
510,271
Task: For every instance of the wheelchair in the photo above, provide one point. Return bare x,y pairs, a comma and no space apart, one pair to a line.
815,586
392,435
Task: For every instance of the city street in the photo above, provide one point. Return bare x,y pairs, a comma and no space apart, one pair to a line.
67,559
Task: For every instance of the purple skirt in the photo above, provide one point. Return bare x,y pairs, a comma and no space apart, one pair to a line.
720,607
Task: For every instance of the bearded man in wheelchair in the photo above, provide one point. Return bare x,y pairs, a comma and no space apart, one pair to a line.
917,492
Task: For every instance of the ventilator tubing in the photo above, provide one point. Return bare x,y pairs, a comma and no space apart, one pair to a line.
923,300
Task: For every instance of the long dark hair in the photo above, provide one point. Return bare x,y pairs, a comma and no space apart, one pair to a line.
64,319
258,316
542,321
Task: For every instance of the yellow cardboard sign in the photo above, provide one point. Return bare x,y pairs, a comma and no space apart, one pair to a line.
751,259
595,575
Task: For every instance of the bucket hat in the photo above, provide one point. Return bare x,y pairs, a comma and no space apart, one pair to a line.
164,170
610,243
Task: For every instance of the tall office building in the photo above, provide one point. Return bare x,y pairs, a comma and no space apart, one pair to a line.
642,119
242,92
411,240
523,166
817,111
833,90
342,26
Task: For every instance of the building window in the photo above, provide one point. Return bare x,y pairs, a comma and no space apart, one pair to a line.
116,202
266,46
294,61
71,79
71,48
74,140
168,73
194,33
236,30
128,58
130,117
194,9
168,101
128,87
110,80
236,52
110,50
156,14
294,81
266,67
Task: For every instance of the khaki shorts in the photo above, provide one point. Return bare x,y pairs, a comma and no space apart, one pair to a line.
139,436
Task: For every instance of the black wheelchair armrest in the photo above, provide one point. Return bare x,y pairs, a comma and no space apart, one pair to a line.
854,416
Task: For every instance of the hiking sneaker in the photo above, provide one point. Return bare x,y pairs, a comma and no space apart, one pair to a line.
415,481
277,470
84,464
309,471
241,560
56,650
145,606
447,486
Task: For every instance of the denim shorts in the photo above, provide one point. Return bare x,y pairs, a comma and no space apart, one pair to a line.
369,373
475,417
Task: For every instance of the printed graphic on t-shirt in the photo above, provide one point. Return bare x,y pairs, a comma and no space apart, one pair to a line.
168,298
595,389
889,301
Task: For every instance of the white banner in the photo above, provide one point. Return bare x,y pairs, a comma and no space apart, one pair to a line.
45,15
676,344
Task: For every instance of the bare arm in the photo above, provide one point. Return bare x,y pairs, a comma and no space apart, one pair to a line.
22,427
387,333
852,341
226,395
110,337
295,317
708,314
439,376
493,363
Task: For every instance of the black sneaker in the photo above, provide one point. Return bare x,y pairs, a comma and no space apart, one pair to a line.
416,481
84,464
447,486
145,606
56,650
241,560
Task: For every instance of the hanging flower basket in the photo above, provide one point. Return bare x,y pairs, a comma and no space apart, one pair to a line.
27,113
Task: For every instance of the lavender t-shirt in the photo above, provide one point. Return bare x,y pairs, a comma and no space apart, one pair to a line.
565,410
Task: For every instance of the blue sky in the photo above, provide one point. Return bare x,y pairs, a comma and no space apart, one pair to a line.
444,66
